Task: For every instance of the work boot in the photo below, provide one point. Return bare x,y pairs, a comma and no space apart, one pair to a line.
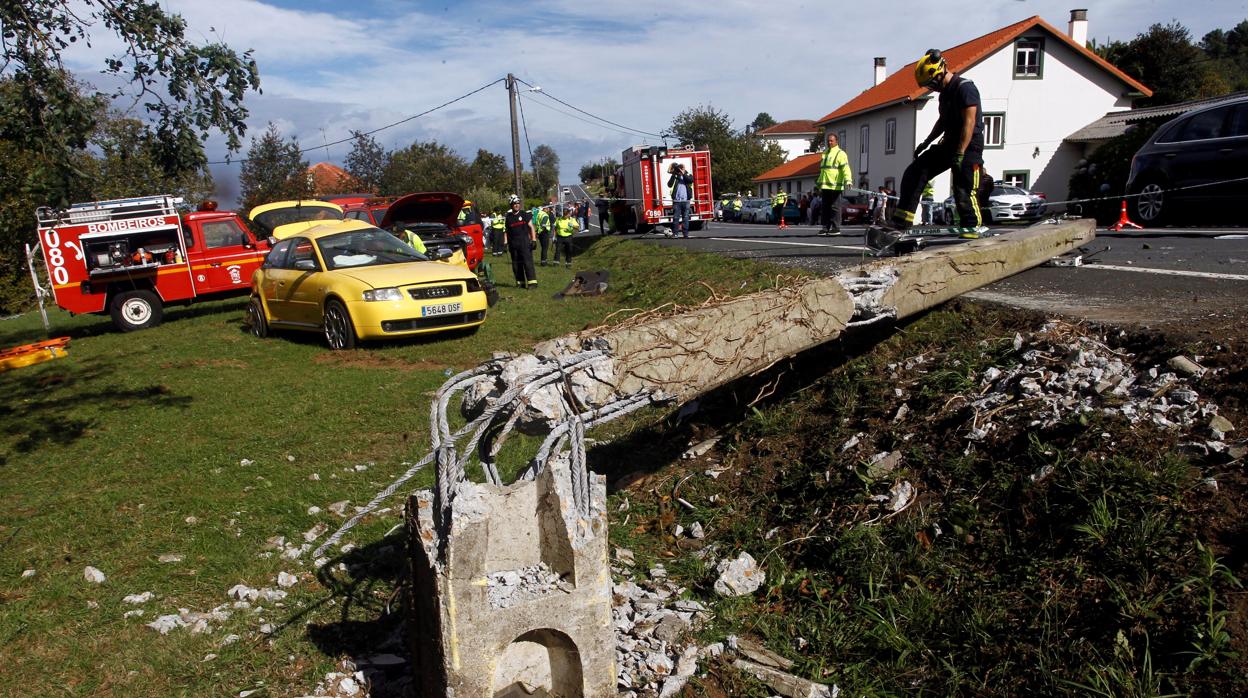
968,233
532,283
568,265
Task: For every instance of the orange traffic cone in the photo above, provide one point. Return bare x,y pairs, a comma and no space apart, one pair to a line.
1124,221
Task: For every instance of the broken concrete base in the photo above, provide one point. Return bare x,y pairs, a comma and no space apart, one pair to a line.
516,600
685,355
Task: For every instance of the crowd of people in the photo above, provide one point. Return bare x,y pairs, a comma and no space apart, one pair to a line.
519,234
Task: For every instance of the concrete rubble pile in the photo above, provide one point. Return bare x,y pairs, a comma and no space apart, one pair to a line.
1064,373
510,587
653,653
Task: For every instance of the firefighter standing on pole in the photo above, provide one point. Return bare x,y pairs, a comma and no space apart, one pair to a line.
960,150
834,176
521,239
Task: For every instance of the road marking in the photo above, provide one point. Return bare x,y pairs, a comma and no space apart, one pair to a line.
855,248
1170,272
1231,237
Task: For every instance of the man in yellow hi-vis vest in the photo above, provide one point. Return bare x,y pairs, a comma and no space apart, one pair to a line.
565,228
777,208
834,176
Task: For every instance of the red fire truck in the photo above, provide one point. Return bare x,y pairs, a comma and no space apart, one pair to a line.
643,200
131,257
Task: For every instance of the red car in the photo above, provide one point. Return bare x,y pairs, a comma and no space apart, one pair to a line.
853,212
369,210
436,216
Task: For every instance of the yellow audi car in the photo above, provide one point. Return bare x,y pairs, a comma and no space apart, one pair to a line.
356,282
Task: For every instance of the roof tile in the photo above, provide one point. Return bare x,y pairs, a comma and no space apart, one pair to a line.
800,166
900,85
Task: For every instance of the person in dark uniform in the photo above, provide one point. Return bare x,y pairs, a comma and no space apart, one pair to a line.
960,149
521,239
602,205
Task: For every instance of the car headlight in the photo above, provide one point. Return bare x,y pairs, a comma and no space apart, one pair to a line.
383,294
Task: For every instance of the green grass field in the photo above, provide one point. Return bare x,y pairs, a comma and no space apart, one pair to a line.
106,454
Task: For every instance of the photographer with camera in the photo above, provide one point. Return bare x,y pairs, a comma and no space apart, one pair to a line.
680,183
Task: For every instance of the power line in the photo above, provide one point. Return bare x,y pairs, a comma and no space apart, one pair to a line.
525,124
583,120
378,129
599,118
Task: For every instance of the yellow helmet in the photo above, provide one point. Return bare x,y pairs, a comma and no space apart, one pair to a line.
930,68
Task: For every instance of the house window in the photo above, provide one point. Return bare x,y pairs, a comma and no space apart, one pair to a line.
890,184
864,141
1016,178
1028,58
890,136
994,130
840,138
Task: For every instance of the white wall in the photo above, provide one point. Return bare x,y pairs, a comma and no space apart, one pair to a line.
1072,93
793,146
879,164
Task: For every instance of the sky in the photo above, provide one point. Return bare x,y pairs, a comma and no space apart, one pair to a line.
329,67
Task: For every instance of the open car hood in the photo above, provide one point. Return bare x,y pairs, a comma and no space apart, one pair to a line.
425,207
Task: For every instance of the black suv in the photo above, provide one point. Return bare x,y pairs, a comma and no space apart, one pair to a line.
1188,162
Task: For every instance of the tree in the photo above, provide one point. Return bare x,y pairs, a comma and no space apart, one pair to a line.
128,164
705,127
736,158
1229,53
545,164
594,171
180,90
762,121
1165,59
187,90
490,170
274,170
366,163
424,166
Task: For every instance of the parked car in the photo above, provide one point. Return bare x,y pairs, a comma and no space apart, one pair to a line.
1202,149
792,212
282,219
353,281
854,210
370,210
1005,203
755,211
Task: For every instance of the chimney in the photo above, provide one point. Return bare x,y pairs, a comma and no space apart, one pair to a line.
1078,28
880,72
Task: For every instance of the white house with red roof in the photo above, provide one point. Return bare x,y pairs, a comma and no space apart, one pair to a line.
794,136
1038,86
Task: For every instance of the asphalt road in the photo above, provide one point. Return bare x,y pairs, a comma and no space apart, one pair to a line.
1196,277
576,193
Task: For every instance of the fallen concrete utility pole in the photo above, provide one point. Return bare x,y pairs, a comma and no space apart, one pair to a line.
511,588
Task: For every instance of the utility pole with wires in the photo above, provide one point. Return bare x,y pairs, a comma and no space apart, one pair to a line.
515,134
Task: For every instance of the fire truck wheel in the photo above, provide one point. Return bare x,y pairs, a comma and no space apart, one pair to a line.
136,310
339,331
256,324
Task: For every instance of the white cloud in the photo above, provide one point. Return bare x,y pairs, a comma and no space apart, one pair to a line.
636,63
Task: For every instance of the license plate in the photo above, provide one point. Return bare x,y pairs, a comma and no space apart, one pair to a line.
441,309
